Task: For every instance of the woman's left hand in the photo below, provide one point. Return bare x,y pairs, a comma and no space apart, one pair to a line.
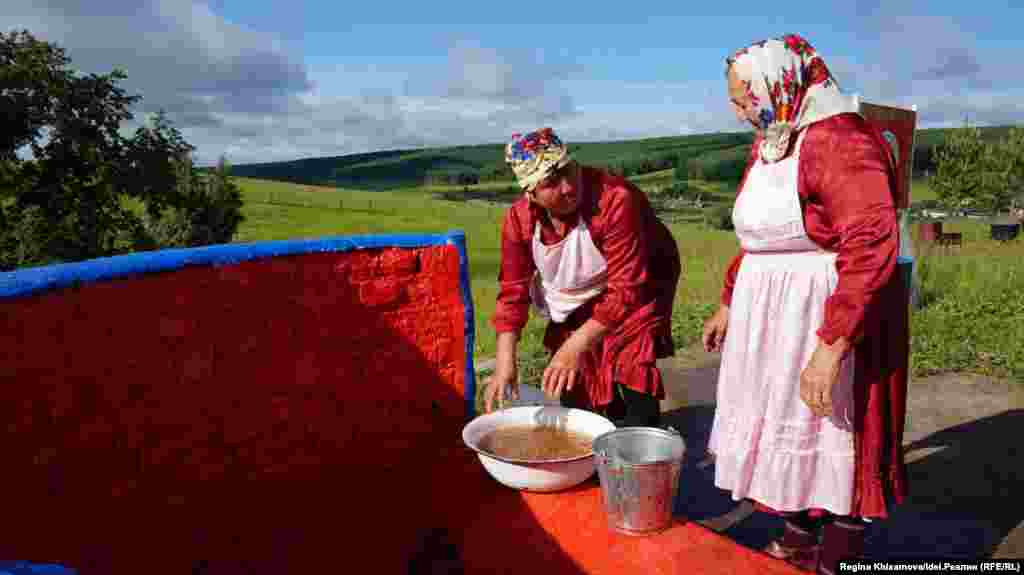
820,376
563,370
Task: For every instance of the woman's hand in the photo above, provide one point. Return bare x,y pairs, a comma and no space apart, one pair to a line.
562,372
499,386
505,381
715,328
820,376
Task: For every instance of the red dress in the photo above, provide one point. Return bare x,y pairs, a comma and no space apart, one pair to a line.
643,269
846,186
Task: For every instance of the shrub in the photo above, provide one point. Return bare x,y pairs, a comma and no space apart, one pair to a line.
678,189
26,238
721,217
688,319
209,213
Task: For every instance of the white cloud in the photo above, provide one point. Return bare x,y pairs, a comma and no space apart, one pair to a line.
242,92
933,62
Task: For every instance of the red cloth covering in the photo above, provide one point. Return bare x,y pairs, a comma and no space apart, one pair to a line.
643,269
279,411
567,533
846,185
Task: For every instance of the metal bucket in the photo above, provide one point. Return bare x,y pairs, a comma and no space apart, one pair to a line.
639,471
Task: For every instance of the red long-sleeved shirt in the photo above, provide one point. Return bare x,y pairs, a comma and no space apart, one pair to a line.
622,225
643,268
846,185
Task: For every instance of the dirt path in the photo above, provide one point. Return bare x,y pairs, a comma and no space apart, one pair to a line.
963,438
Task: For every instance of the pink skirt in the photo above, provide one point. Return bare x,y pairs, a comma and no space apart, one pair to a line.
767,444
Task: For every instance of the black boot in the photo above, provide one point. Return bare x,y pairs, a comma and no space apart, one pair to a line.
843,540
798,545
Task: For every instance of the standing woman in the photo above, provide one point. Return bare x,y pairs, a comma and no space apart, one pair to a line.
813,319
587,250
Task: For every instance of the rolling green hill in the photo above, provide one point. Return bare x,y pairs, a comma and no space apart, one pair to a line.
710,156
404,168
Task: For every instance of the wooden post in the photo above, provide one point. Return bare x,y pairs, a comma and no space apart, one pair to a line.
899,127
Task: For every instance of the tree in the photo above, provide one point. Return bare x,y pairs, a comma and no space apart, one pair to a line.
69,200
157,162
467,179
973,173
30,85
679,189
69,123
720,218
682,163
924,161
206,210
1013,153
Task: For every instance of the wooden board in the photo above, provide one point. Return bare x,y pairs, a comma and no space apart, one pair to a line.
898,126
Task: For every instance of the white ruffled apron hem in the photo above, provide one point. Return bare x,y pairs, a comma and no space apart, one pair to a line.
767,443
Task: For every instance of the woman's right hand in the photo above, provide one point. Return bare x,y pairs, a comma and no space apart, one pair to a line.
715,328
503,384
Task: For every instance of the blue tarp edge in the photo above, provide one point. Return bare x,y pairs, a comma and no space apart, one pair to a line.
29,568
29,281
470,323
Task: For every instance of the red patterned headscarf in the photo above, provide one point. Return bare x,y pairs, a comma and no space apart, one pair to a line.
791,87
535,156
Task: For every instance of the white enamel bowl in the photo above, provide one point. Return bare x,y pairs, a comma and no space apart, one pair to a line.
550,475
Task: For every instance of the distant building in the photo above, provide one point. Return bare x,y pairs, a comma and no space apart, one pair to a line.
1017,206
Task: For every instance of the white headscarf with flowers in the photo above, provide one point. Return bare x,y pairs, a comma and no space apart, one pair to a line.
791,88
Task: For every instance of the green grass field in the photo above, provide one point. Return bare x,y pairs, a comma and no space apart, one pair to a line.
920,190
973,320
973,296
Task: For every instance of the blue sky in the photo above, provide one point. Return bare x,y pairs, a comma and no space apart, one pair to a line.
260,80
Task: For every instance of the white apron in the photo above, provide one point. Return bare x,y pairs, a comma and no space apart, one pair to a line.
569,273
768,445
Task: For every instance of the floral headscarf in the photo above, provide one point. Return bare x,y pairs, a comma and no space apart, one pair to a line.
791,88
534,156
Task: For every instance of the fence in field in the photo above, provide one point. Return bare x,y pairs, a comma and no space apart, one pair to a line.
376,203
387,203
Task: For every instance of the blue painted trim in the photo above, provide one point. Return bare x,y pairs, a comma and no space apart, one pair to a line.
29,568
28,281
906,265
459,239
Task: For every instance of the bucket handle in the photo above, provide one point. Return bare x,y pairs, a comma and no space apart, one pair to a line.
604,459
